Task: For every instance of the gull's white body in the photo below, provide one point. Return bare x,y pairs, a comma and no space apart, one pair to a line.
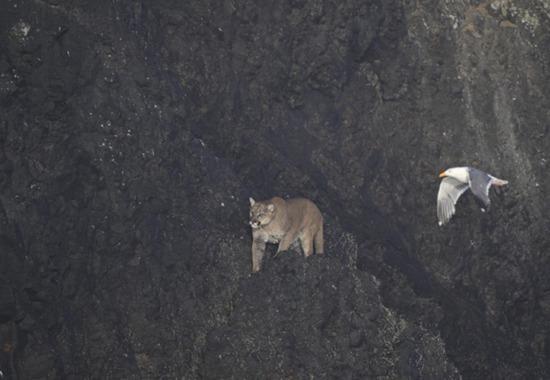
461,173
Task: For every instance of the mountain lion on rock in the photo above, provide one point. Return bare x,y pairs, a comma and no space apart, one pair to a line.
284,221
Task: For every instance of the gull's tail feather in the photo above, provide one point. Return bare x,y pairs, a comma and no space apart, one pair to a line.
498,182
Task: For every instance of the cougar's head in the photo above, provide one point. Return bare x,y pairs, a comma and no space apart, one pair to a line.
261,213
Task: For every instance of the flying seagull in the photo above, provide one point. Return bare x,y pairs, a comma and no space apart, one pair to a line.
455,182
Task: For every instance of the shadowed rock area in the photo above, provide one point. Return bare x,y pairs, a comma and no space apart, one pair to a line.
133,133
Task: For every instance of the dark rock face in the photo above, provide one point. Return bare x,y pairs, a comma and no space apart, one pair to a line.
133,133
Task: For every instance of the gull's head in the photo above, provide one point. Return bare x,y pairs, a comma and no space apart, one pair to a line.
452,172
460,173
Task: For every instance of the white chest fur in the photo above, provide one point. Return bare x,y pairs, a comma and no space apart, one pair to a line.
268,236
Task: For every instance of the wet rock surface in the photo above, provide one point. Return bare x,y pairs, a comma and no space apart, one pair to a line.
133,133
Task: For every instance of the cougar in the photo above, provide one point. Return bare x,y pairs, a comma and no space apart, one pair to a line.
284,221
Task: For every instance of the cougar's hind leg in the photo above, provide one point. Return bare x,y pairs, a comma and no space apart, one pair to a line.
319,242
306,241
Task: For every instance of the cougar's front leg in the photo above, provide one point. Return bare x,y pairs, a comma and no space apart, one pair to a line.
287,240
258,250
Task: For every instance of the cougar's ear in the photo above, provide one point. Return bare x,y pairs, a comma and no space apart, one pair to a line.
271,207
252,201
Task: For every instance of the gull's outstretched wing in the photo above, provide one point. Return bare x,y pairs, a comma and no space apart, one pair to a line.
480,182
450,190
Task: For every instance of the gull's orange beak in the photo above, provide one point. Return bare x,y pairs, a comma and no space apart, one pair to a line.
442,174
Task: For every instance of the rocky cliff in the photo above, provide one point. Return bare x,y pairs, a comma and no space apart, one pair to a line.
133,133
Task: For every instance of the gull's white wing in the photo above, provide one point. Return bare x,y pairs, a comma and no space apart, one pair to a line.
450,190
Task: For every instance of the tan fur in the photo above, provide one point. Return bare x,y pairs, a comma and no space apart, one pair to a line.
285,221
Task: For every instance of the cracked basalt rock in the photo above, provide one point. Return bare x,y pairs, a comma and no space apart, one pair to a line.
133,133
